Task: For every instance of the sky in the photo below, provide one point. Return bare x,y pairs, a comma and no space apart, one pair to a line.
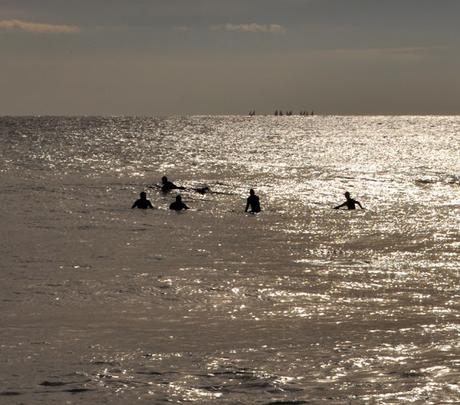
168,57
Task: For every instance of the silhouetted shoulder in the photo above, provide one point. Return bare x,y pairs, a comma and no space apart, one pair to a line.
167,185
252,202
350,203
142,202
178,205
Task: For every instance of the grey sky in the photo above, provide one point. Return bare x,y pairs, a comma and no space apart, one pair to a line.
224,57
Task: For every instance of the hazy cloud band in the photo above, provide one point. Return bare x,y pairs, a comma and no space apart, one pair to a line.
39,28
251,27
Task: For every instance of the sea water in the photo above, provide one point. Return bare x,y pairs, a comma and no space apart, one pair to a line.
298,304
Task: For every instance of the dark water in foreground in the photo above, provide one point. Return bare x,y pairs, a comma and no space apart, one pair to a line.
300,304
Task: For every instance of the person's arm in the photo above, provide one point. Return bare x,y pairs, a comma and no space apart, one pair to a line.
360,206
185,207
340,206
172,186
247,205
150,205
202,190
169,185
134,205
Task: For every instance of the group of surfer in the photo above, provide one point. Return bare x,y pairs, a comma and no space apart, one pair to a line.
252,202
178,205
166,186
144,203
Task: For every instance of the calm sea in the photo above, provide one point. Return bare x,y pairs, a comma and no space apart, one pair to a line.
298,304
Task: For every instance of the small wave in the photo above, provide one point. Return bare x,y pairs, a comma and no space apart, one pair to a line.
78,390
53,383
444,179
150,373
10,393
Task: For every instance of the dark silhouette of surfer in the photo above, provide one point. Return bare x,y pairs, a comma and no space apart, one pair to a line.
202,190
178,205
142,202
167,185
253,202
350,203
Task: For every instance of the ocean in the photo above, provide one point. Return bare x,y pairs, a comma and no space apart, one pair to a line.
299,304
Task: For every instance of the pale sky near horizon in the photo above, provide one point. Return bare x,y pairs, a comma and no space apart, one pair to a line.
162,57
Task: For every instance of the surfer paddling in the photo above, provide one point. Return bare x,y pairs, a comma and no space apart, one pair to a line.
350,203
142,202
167,185
253,202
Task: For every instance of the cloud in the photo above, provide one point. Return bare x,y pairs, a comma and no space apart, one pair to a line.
251,27
182,28
38,28
401,51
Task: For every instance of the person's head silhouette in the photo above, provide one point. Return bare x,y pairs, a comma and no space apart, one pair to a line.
143,195
164,179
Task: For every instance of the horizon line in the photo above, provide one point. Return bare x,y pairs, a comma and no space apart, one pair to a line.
160,115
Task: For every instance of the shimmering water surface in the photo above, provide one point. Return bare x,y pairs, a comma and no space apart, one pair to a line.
299,304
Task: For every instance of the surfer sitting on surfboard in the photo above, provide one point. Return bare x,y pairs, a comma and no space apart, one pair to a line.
178,205
350,203
253,202
142,202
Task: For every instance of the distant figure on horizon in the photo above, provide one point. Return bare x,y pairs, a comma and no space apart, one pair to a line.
167,185
350,203
178,205
253,202
142,202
